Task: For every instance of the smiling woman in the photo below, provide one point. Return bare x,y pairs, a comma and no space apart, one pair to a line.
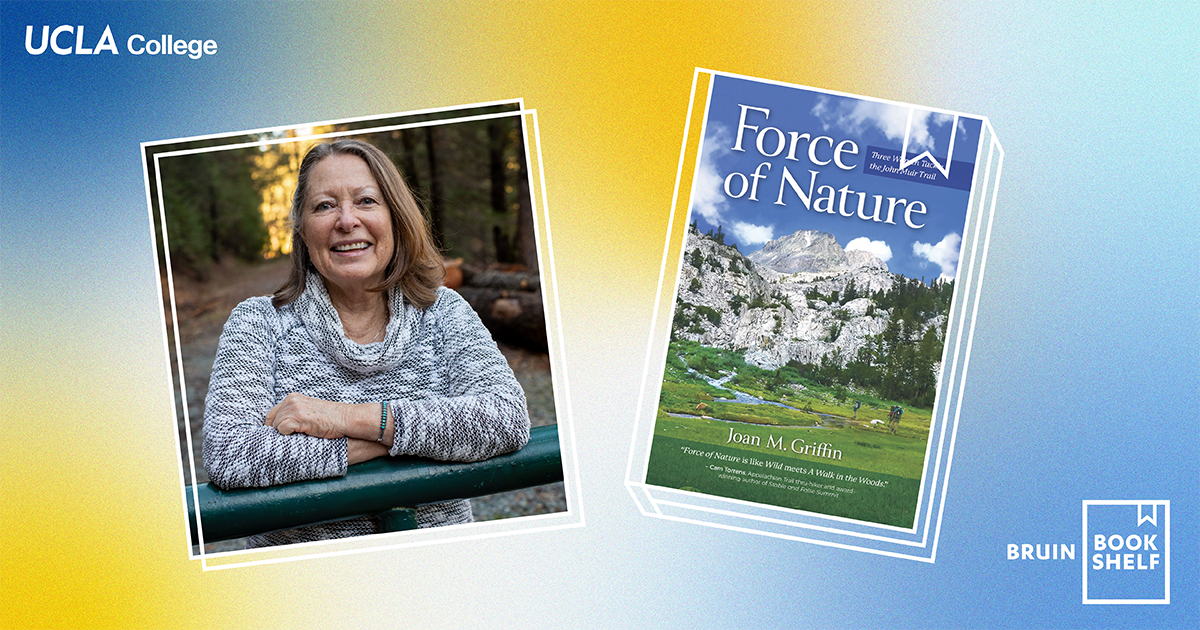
347,233
360,354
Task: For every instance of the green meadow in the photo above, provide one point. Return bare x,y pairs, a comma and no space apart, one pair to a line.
696,417
813,487
864,449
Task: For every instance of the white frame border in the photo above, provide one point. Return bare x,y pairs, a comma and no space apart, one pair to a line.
572,517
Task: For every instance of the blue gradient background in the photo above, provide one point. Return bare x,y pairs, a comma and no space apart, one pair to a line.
1082,381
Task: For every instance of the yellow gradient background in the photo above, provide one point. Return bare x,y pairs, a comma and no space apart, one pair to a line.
92,524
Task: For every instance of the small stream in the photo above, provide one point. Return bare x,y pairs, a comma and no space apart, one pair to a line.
832,425
825,421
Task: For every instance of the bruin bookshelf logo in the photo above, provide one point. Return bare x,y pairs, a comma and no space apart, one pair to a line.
1127,557
69,39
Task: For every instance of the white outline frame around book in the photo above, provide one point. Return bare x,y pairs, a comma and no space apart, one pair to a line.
919,543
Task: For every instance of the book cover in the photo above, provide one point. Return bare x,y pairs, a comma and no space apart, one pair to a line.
817,280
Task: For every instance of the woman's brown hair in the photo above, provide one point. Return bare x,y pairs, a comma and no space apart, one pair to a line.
416,267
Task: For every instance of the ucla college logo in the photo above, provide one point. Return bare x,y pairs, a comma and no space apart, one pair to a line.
1127,558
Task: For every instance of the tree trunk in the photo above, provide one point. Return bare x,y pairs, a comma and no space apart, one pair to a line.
436,216
526,239
496,141
409,161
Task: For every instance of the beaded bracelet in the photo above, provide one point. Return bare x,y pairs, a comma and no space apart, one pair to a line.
382,419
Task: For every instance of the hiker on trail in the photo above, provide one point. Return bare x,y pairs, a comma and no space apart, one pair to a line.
360,354
894,418
857,404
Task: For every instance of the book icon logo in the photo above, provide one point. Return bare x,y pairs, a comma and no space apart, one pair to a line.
917,137
1128,558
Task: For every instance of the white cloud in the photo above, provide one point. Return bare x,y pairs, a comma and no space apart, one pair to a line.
889,119
708,194
944,254
750,234
879,248
852,117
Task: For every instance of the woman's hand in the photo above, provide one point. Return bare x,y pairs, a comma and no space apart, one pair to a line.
298,413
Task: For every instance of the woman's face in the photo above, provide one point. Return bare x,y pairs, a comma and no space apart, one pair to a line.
347,225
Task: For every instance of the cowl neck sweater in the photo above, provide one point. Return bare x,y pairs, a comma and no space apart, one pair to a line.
324,327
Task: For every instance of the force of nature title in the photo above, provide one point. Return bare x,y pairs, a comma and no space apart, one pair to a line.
826,194
136,44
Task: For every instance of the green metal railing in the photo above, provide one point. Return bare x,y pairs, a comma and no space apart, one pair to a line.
386,487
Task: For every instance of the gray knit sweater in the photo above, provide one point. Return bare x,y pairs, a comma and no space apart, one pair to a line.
452,394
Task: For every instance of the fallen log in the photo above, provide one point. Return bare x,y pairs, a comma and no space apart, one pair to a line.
497,279
514,317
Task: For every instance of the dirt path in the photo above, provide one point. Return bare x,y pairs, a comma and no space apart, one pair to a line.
202,308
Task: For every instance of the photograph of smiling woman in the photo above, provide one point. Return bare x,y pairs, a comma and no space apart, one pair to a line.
360,354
